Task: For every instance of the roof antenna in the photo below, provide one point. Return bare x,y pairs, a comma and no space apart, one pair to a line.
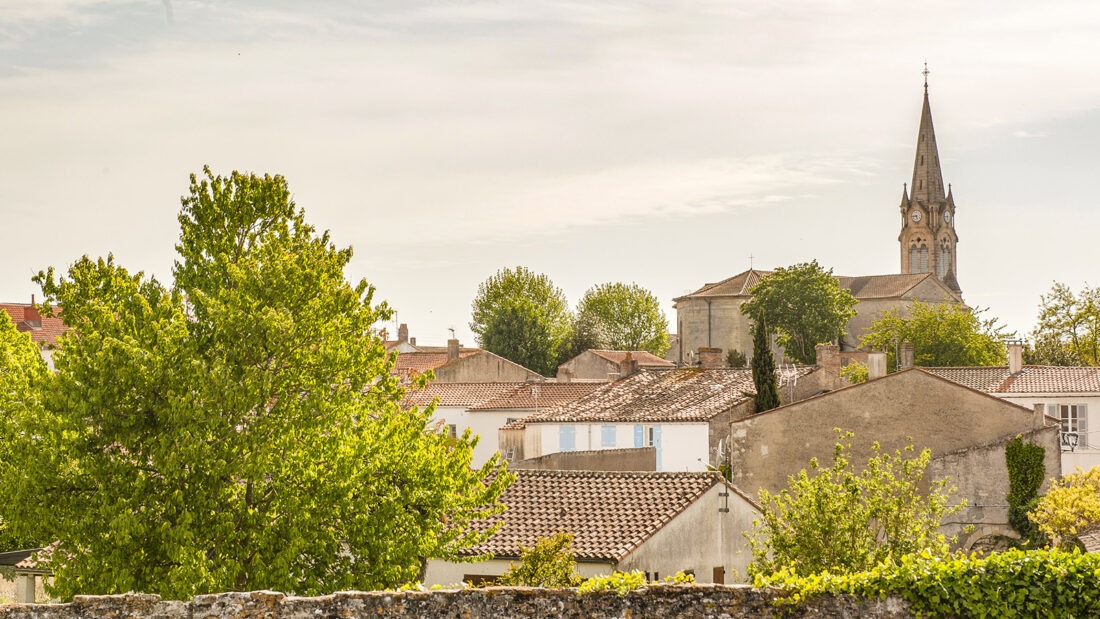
452,330
750,261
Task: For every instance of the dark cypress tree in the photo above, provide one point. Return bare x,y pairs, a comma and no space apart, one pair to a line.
763,370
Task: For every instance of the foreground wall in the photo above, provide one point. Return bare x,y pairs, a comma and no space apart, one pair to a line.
655,601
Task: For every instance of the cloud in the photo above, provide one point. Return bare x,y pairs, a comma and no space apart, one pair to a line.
1029,134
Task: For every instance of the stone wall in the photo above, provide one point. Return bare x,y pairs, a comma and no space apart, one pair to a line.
688,601
625,459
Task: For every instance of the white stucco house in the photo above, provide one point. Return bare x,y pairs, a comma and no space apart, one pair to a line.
657,523
1069,394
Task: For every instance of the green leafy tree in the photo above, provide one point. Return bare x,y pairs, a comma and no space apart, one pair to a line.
804,305
625,317
22,371
855,373
1071,506
549,563
942,334
763,370
1068,328
515,305
835,518
239,430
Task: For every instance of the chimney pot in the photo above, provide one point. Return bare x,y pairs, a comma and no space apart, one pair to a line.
876,365
403,332
906,356
629,365
828,357
452,350
710,357
1015,356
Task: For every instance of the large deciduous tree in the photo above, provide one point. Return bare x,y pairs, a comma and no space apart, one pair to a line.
942,334
840,518
1068,329
239,430
804,305
515,305
624,317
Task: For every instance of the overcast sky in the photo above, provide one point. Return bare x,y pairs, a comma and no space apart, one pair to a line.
656,142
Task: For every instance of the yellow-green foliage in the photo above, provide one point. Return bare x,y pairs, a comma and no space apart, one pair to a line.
680,578
620,582
1071,504
549,563
1015,583
855,373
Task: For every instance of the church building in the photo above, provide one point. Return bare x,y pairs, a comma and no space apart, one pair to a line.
711,316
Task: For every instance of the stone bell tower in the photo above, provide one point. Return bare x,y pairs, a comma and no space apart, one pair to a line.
928,239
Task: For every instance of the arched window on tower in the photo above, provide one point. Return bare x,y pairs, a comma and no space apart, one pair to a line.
918,257
923,258
914,259
943,262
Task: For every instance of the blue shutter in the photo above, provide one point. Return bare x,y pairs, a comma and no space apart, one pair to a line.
567,438
639,438
607,436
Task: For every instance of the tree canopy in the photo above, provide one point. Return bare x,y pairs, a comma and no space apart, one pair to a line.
841,519
942,334
624,317
239,430
516,305
804,305
1070,506
1068,328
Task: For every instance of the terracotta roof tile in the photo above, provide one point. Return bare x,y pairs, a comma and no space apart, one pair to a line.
424,361
1031,379
609,513
653,395
862,287
45,334
457,394
642,358
538,395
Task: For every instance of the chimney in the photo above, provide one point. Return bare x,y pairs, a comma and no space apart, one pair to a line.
1015,356
412,340
1038,420
828,357
906,356
31,317
565,375
710,357
403,332
383,334
452,349
628,366
876,365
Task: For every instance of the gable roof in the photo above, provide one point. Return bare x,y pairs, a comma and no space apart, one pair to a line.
43,332
660,395
862,287
457,394
609,513
538,395
422,361
1030,379
641,357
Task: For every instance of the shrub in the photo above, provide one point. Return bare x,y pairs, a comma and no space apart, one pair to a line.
549,563
736,359
620,582
855,373
1071,505
680,578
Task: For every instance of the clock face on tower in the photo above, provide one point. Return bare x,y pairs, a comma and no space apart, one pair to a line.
915,215
947,218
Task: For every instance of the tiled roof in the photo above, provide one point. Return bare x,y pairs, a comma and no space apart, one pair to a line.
44,335
538,395
863,287
424,361
608,513
457,394
642,358
1031,379
652,395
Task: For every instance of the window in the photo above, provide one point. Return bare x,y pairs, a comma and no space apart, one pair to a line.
607,436
1074,418
452,430
567,438
511,420
639,436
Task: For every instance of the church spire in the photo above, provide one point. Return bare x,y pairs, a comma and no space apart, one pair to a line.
927,184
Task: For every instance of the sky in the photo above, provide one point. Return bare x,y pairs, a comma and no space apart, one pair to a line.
667,143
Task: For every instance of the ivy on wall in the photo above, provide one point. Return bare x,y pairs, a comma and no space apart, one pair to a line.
1026,471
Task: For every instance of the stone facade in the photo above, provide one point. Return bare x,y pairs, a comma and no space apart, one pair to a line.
484,367
625,459
689,601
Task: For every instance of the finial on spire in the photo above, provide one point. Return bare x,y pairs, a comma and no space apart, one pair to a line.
925,73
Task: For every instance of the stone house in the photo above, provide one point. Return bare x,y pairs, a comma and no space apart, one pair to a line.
28,578
658,523
605,365
1069,394
684,413
965,429
44,330
455,364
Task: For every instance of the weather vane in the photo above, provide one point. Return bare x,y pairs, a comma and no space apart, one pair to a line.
750,260
925,73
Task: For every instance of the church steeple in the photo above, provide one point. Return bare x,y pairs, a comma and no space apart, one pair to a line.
927,184
928,239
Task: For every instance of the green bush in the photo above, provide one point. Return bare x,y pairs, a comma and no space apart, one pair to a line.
549,563
855,373
680,578
1026,471
1015,583
620,582
736,359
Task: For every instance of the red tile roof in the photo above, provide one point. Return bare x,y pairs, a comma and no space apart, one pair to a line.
1031,379
642,358
457,394
538,395
424,361
863,287
609,513
45,334
651,395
